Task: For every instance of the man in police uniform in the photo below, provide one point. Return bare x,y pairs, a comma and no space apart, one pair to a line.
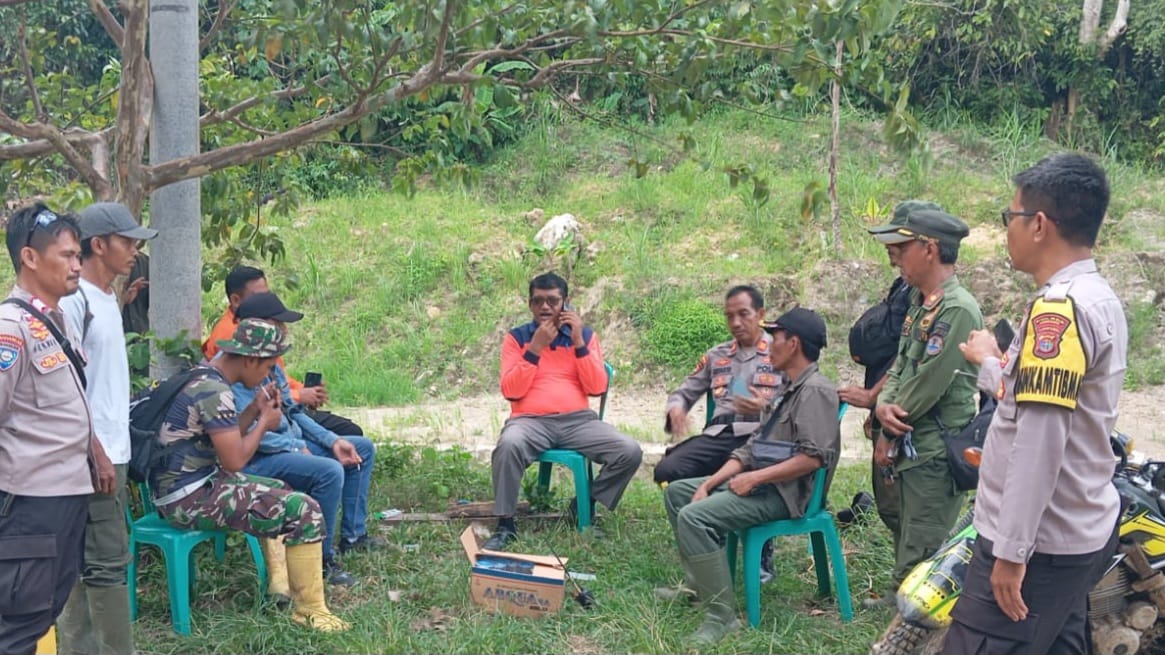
742,381
46,434
925,391
1046,509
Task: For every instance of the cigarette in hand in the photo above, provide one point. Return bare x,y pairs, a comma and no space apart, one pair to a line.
266,393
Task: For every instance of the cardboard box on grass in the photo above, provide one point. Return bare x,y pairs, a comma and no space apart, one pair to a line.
517,584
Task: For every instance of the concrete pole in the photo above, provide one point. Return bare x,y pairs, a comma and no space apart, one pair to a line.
175,210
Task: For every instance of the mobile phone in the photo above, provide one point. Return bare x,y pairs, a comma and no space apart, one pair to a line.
564,328
1004,334
313,379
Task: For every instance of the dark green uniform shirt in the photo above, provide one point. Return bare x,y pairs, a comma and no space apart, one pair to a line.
924,379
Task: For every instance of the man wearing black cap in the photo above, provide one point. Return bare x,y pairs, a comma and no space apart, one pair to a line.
335,470
931,388
96,617
769,478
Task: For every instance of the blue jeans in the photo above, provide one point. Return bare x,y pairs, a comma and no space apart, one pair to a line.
319,477
356,481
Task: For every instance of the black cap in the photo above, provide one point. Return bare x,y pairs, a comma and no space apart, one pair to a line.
803,323
266,305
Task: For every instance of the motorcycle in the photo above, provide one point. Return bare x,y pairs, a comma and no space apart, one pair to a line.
1125,607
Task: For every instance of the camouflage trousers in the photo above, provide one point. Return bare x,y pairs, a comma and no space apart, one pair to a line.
264,507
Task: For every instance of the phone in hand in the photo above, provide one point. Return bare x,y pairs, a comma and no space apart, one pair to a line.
563,327
313,379
1004,334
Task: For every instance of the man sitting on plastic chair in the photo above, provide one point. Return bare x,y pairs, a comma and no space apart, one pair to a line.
549,368
767,479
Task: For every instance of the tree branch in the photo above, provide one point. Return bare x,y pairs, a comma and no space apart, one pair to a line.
41,147
129,137
214,116
438,61
37,108
224,8
100,186
1120,21
108,21
543,75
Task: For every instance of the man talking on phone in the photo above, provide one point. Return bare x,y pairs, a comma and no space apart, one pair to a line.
549,368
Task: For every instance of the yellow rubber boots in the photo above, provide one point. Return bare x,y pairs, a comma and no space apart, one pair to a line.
305,574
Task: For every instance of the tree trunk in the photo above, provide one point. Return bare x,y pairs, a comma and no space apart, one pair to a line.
175,210
835,151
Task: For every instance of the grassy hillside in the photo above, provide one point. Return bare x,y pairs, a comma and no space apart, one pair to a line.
408,298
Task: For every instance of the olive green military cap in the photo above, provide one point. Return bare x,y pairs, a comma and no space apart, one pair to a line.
256,337
901,211
926,224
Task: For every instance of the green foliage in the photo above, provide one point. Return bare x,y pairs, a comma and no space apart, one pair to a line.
138,350
428,479
678,332
1146,355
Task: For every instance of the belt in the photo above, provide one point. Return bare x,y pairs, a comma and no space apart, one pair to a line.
182,492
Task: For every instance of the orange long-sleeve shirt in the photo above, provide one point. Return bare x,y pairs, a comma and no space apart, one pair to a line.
557,381
224,328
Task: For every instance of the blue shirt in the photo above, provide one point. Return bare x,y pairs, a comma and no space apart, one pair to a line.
294,427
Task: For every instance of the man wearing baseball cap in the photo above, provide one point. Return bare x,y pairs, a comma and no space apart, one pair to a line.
334,469
96,616
769,478
206,443
925,395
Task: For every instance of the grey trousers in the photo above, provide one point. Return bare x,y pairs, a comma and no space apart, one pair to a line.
524,438
701,526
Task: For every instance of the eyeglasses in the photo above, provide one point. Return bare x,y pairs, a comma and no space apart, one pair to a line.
549,301
1006,214
44,219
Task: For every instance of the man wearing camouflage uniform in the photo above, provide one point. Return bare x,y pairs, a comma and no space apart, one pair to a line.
930,387
207,442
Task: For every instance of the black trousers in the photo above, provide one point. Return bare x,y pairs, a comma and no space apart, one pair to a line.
340,425
1055,589
42,542
696,457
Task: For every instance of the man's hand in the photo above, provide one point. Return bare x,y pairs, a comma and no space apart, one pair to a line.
133,289
882,451
980,345
543,337
680,424
313,396
106,474
857,396
268,405
754,404
1006,580
700,494
571,318
890,416
346,453
742,484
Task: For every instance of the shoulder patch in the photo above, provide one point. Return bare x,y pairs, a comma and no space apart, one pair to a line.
934,345
700,365
10,349
1051,362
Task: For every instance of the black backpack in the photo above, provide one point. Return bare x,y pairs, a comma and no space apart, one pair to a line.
873,339
147,410
974,434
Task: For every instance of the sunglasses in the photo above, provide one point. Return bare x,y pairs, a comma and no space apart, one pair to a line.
44,219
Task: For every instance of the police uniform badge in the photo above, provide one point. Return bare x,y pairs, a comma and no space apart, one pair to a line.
10,347
1052,362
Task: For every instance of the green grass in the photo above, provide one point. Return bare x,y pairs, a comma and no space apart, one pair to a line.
637,555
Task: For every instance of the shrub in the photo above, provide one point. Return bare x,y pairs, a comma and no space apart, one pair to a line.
679,332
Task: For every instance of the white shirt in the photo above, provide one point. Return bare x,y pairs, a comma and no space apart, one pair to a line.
107,368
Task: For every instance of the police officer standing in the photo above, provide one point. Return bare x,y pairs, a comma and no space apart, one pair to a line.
925,392
1046,508
48,452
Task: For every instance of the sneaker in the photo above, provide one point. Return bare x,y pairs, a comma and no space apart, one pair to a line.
500,539
337,576
364,542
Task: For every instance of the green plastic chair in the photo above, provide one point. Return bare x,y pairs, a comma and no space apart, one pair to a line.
177,546
818,523
580,467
